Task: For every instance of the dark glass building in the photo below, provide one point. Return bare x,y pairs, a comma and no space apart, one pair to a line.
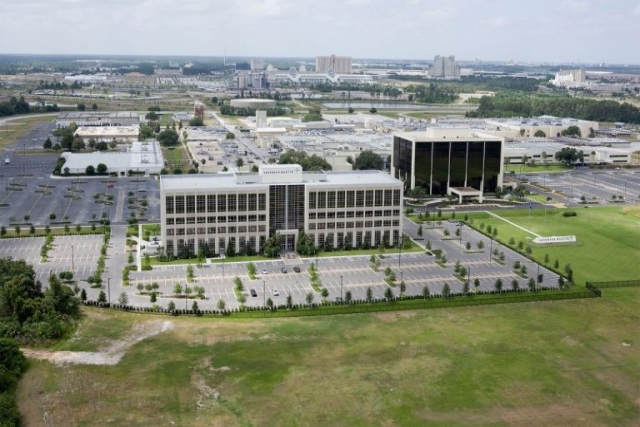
446,161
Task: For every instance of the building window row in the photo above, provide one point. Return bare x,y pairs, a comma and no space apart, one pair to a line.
212,203
353,199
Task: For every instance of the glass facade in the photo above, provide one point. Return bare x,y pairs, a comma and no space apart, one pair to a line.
286,207
442,164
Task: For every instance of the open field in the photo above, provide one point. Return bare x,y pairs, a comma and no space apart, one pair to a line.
12,130
177,157
608,238
572,363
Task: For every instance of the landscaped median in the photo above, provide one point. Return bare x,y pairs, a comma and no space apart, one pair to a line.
363,306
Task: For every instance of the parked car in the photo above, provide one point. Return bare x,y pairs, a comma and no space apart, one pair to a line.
296,269
264,271
276,293
253,293
283,270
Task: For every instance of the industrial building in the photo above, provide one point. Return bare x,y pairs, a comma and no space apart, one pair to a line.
98,118
448,161
336,209
339,64
253,103
143,157
121,134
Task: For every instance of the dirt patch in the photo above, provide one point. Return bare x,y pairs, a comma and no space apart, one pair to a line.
109,355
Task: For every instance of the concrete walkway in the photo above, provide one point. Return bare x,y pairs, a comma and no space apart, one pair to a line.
512,223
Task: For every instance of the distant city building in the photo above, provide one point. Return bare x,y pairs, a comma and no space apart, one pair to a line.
253,103
448,161
570,78
444,68
257,64
168,72
328,77
251,80
339,64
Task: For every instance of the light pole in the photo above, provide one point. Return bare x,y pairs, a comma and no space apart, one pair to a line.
468,276
24,160
264,295
72,266
400,253
109,290
340,288
186,285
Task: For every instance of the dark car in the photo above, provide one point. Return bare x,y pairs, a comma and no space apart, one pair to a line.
296,269
253,293
283,270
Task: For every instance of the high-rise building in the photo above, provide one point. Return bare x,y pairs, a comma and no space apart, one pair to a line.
257,64
570,78
229,212
448,161
444,68
339,64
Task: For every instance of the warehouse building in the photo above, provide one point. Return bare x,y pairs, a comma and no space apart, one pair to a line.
336,209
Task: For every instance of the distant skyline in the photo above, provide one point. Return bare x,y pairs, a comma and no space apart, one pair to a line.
561,31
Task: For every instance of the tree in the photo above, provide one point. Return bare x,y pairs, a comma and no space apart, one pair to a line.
171,306
94,106
78,143
196,122
368,160
81,107
195,308
498,285
308,163
230,135
289,301
369,294
152,116
309,298
123,299
168,138
388,294
239,162
567,155
314,115
420,231
403,288
102,297
348,297
425,292
476,283
373,110
515,285
102,168
446,290
324,292
47,144
177,289
572,131
90,170
540,134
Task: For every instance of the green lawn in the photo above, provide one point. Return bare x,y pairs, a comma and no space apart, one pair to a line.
376,251
177,157
558,363
608,239
538,198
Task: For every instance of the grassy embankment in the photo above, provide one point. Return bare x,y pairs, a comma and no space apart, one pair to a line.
557,363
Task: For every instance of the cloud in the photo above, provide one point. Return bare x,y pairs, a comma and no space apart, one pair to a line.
636,11
439,14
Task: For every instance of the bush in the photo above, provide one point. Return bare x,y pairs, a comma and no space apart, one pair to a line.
568,214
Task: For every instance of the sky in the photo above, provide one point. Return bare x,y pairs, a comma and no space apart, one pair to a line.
587,31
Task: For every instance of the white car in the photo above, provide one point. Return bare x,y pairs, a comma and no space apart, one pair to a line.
264,271
276,293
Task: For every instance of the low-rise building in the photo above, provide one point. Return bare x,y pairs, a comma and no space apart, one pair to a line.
232,211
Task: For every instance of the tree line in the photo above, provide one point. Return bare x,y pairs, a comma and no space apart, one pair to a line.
520,105
246,111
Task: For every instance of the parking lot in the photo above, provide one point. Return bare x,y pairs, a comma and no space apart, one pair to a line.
339,274
597,186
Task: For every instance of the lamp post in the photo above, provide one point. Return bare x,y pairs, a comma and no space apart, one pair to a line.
72,266
264,296
468,276
400,253
109,290
186,285
340,288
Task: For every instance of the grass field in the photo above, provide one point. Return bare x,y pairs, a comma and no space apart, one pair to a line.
14,129
608,239
572,363
177,157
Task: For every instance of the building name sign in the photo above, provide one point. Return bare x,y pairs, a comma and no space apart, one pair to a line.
555,239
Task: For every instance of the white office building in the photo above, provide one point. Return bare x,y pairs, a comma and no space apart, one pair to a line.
336,209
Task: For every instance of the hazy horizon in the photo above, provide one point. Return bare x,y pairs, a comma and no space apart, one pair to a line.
568,31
